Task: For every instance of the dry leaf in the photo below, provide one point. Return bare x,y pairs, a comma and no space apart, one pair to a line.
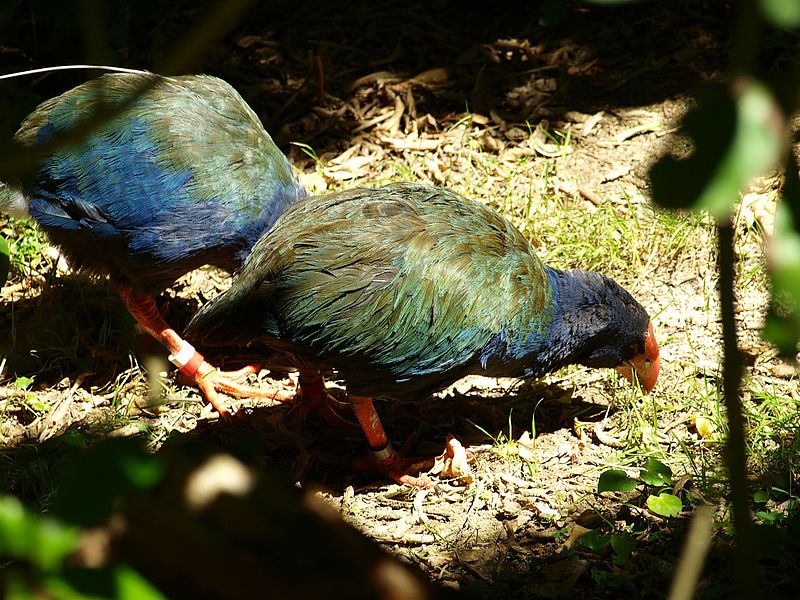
704,426
436,76
410,144
377,77
452,463
539,142
617,173
638,130
526,446
393,124
575,534
590,123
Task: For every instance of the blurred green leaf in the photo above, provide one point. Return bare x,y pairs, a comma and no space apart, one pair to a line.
142,472
781,13
107,472
57,587
22,383
737,135
5,261
665,505
615,480
54,542
38,405
16,528
782,326
132,586
656,473
594,541
623,545
15,589
761,496
27,536
768,518
120,583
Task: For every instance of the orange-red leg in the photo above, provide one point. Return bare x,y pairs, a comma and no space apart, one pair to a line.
189,361
314,396
384,457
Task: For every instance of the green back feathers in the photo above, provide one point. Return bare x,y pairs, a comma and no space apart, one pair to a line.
198,124
408,277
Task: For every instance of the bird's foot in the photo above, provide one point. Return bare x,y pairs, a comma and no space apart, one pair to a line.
395,467
212,381
383,457
190,362
312,396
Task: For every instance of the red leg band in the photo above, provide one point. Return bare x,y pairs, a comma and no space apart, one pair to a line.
190,368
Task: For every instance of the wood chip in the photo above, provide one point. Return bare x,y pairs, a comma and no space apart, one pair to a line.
617,173
589,195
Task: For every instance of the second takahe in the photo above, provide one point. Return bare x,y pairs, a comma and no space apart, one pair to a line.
407,288
182,175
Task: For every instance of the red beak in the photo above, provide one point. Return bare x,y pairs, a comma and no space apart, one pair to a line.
645,366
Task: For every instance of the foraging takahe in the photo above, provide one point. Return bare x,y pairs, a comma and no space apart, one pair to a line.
407,288
181,176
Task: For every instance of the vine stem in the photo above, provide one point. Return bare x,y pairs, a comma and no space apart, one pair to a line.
747,573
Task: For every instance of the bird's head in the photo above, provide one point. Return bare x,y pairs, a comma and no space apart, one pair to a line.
615,329
644,366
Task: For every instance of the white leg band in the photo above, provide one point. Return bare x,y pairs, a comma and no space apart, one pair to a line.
183,356
385,453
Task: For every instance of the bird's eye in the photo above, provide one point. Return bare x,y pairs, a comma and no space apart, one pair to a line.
647,361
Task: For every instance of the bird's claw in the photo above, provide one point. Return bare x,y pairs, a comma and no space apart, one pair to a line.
312,396
212,381
391,464
327,407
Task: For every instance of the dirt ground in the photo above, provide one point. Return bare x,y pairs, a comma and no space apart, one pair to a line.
386,102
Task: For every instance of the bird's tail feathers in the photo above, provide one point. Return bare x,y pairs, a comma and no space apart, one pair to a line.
236,317
221,322
13,201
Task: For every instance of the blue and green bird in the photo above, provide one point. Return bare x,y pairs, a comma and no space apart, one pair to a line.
183,174
405,289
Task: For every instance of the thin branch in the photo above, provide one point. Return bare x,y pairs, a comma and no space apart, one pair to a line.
747,573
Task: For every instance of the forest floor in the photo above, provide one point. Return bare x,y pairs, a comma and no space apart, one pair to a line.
558,133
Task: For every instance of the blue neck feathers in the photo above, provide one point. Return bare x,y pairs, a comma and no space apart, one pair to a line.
587,319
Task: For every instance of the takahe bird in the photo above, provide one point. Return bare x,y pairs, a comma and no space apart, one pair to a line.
407,288
182,176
